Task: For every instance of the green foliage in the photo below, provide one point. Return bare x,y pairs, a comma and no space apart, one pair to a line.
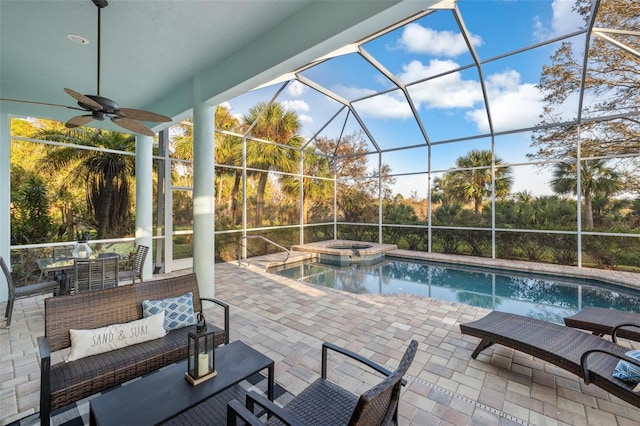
107,176
398,213
30,219
476,180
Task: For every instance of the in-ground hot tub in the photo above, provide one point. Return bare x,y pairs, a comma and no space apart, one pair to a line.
344,252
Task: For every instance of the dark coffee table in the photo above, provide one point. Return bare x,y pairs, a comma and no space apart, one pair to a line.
166,393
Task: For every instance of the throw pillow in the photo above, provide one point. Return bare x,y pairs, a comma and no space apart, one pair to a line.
178,311
627,371
115,336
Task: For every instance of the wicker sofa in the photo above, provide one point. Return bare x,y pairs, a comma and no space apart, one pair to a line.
65,382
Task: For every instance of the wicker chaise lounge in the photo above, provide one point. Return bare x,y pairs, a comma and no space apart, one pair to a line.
590,357
602,322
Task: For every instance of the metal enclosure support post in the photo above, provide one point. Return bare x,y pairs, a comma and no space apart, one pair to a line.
302,206
429,224
5,198
335,204
493,197
244,196
163,142
379,198
579,194
168,215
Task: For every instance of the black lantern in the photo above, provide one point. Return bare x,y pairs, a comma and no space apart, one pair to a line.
200,357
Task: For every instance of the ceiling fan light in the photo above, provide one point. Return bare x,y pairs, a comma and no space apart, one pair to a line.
77,39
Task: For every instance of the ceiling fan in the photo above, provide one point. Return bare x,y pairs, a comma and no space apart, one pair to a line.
100,107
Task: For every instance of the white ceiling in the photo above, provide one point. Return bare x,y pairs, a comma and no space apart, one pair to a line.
153,51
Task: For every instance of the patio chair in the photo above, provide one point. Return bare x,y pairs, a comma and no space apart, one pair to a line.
95,274
590,357
325,403
42,287
603,322
137,265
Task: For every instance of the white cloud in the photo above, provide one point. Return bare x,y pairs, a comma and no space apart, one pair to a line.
533,179
563,21
448,91
296,105
513,104
417,39
296,89
305,118
416,70
384,106
351,93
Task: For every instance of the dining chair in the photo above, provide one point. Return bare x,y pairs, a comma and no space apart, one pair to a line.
95,274
42,287
137,265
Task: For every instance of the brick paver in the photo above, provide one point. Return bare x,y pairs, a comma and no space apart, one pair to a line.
288,321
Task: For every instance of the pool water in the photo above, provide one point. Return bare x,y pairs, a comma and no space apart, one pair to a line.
537,296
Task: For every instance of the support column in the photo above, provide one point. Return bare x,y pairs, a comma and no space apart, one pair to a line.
144,199
203,194
5,198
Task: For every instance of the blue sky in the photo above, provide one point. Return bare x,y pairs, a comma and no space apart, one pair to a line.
450,106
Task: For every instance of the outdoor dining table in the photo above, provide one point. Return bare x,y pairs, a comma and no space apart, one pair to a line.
62,270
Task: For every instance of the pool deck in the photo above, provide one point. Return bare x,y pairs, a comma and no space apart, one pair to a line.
288,320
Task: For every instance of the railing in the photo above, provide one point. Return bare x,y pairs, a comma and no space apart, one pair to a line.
246,237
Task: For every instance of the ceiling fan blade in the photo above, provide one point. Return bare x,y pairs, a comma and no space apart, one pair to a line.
138,114
78,120
133,125
82,98
40,103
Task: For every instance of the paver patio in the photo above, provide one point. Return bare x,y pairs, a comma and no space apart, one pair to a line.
288,320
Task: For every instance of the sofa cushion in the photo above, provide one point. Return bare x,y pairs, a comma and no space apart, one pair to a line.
98,340
178,311
75,380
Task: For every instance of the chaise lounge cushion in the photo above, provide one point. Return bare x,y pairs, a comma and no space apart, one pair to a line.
627,371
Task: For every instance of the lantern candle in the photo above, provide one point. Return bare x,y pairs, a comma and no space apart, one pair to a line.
203,364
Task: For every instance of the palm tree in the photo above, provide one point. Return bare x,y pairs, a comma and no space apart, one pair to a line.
315,191
107,175
596,179
273,123
227,151
474,183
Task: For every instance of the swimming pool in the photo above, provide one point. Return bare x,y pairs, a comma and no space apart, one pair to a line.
537,296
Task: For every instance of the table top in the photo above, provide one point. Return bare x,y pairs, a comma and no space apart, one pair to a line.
50,264
165,393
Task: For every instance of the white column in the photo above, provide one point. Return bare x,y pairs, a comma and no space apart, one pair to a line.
144,199
203,195
5,198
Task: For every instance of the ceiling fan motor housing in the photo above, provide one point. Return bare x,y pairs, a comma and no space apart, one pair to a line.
108,106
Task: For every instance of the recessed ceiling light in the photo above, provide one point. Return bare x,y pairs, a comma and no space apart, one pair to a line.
77,39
